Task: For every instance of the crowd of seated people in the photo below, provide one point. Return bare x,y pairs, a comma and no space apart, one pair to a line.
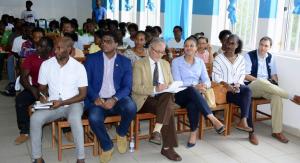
125,72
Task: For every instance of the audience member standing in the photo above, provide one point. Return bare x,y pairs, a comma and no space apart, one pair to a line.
28,15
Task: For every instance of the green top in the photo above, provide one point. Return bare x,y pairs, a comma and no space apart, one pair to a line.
4,38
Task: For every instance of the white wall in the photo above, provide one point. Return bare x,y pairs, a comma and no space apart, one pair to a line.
50,9
289,79
207,24
287,68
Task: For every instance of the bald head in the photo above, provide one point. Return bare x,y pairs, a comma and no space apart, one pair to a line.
68,42
63,47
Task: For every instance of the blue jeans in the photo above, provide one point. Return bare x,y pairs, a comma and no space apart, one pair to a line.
195,104
96,115
11,69
243,100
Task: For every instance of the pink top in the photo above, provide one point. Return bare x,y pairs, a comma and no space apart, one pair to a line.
204,56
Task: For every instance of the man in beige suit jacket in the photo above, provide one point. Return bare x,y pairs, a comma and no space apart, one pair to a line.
152,75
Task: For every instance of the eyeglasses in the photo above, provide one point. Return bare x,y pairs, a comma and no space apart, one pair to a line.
158,52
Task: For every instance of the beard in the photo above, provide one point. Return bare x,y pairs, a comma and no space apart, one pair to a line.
61,57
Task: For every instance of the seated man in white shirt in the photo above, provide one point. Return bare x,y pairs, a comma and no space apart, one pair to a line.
65,80
261,75
177,42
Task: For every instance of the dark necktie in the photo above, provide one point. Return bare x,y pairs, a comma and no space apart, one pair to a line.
155,75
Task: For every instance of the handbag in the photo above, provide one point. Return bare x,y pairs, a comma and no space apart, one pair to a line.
210,98
220,93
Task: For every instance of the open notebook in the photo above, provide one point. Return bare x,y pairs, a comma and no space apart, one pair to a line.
38,105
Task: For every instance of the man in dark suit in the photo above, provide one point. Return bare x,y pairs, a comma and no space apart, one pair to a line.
110,81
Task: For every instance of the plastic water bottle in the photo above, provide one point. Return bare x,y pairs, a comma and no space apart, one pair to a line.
131,144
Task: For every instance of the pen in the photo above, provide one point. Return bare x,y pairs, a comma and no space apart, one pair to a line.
43,95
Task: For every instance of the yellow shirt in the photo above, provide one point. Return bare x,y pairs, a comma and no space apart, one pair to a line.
94,48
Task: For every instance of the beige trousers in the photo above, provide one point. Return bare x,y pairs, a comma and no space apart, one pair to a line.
263,88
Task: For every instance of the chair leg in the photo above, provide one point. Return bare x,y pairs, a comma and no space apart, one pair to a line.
152,124
137,123
230,112
226,120
59,142
53,134
131,133
184,122
86,134
178,123
254,110
201,127
96,146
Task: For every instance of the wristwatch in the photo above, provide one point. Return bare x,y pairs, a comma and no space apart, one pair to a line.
115,98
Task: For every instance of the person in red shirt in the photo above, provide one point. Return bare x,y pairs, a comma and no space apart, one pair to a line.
28,79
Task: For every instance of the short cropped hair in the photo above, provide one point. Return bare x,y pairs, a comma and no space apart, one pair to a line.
177,27
266,38
111,34
155,41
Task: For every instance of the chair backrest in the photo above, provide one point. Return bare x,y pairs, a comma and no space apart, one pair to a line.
80,59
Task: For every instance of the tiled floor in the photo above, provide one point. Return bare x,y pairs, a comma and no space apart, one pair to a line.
213,149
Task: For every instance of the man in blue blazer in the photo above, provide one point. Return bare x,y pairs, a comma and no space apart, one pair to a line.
109,86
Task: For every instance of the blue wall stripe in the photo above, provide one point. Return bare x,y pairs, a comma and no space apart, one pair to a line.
172,17
162,6
206,7
140,5
268,8
120,5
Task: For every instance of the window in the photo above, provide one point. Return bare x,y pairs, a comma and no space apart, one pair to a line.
147,17
291,29
246,25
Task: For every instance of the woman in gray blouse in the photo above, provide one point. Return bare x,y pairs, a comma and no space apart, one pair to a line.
138,51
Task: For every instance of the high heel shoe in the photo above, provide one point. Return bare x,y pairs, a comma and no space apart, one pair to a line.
220,130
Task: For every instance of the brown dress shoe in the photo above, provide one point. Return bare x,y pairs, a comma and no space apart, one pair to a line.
155,138
296,99
280,137
171,154
80,161
21,139
253,139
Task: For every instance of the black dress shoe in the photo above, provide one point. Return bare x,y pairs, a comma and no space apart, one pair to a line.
190,145
7,93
